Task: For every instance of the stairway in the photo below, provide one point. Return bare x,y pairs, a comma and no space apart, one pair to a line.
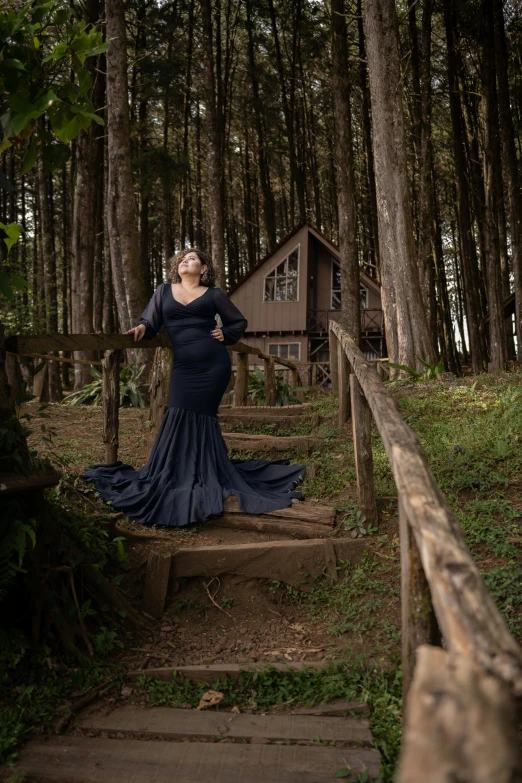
134,744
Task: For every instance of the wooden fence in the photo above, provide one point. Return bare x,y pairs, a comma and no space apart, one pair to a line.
460,699
113,347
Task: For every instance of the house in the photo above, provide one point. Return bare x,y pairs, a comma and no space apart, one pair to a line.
293,291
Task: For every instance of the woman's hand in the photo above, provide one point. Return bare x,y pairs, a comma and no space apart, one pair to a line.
138,332
217,334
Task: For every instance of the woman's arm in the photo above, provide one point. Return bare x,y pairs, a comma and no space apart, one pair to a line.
152,318
234,323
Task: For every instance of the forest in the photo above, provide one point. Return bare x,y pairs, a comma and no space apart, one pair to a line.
133,129
224,125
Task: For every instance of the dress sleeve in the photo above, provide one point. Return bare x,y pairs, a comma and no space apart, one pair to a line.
152,317
234,323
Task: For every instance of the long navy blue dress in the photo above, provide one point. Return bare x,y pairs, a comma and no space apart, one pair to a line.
189,473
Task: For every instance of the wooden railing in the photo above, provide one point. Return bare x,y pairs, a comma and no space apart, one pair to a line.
113,346
460,717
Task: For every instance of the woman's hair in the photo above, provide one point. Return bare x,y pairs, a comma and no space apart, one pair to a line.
208,277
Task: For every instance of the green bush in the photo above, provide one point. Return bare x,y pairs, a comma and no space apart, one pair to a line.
130,394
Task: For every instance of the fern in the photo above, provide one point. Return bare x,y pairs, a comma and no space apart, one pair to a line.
130,394
16,538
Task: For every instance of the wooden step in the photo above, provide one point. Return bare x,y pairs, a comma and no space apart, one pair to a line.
260,410
293,562
302,510
276,525
212,672
241,441
301,520
170,723
284,422
86,760
18,483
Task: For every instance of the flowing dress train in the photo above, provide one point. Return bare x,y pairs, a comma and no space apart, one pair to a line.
189,473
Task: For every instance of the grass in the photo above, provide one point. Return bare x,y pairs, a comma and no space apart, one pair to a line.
471,431
272,689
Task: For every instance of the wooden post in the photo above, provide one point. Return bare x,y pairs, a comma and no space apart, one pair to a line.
332,340
295,382
343,384
419,624
270,382
241,386
111,403
157,582
362,444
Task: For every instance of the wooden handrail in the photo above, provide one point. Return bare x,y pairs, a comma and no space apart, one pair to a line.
113,345
435,562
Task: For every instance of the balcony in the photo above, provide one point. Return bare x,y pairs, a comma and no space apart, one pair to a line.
372,321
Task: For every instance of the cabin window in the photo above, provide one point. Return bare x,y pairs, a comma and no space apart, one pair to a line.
285,350
281,282
336,290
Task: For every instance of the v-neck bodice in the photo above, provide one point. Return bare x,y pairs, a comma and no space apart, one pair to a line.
191,301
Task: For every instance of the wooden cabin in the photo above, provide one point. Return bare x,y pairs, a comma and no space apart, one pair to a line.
293,291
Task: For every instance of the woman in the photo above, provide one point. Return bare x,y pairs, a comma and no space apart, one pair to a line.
189,474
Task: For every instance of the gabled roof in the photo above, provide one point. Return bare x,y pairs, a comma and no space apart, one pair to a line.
330,246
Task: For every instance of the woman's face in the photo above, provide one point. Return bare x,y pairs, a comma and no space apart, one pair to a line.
191,265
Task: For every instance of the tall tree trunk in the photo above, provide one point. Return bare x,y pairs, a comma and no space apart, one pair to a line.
343,149
288,106
466,239
269,220
368,147
89,167
407,333
214,149
425,168
510,165
49,274
130,284
184,206
497,332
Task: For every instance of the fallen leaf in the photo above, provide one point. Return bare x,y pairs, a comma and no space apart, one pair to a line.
210,699
235,709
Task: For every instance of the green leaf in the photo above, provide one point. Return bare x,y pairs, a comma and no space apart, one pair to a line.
344,772
69,131
19,283
13,63
84,80
36,42
30,155
12,231
101,49
5,286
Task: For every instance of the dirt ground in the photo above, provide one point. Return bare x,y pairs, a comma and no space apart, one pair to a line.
255,620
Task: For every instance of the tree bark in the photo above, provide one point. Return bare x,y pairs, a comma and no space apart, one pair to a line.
466,239
269,220
510,164
129,279
343,150
214,128
49,274
497,332
89,166
407,333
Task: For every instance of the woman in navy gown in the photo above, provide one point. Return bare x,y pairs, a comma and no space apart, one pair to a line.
189,473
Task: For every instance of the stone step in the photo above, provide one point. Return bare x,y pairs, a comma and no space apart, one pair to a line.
91,760
170,723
